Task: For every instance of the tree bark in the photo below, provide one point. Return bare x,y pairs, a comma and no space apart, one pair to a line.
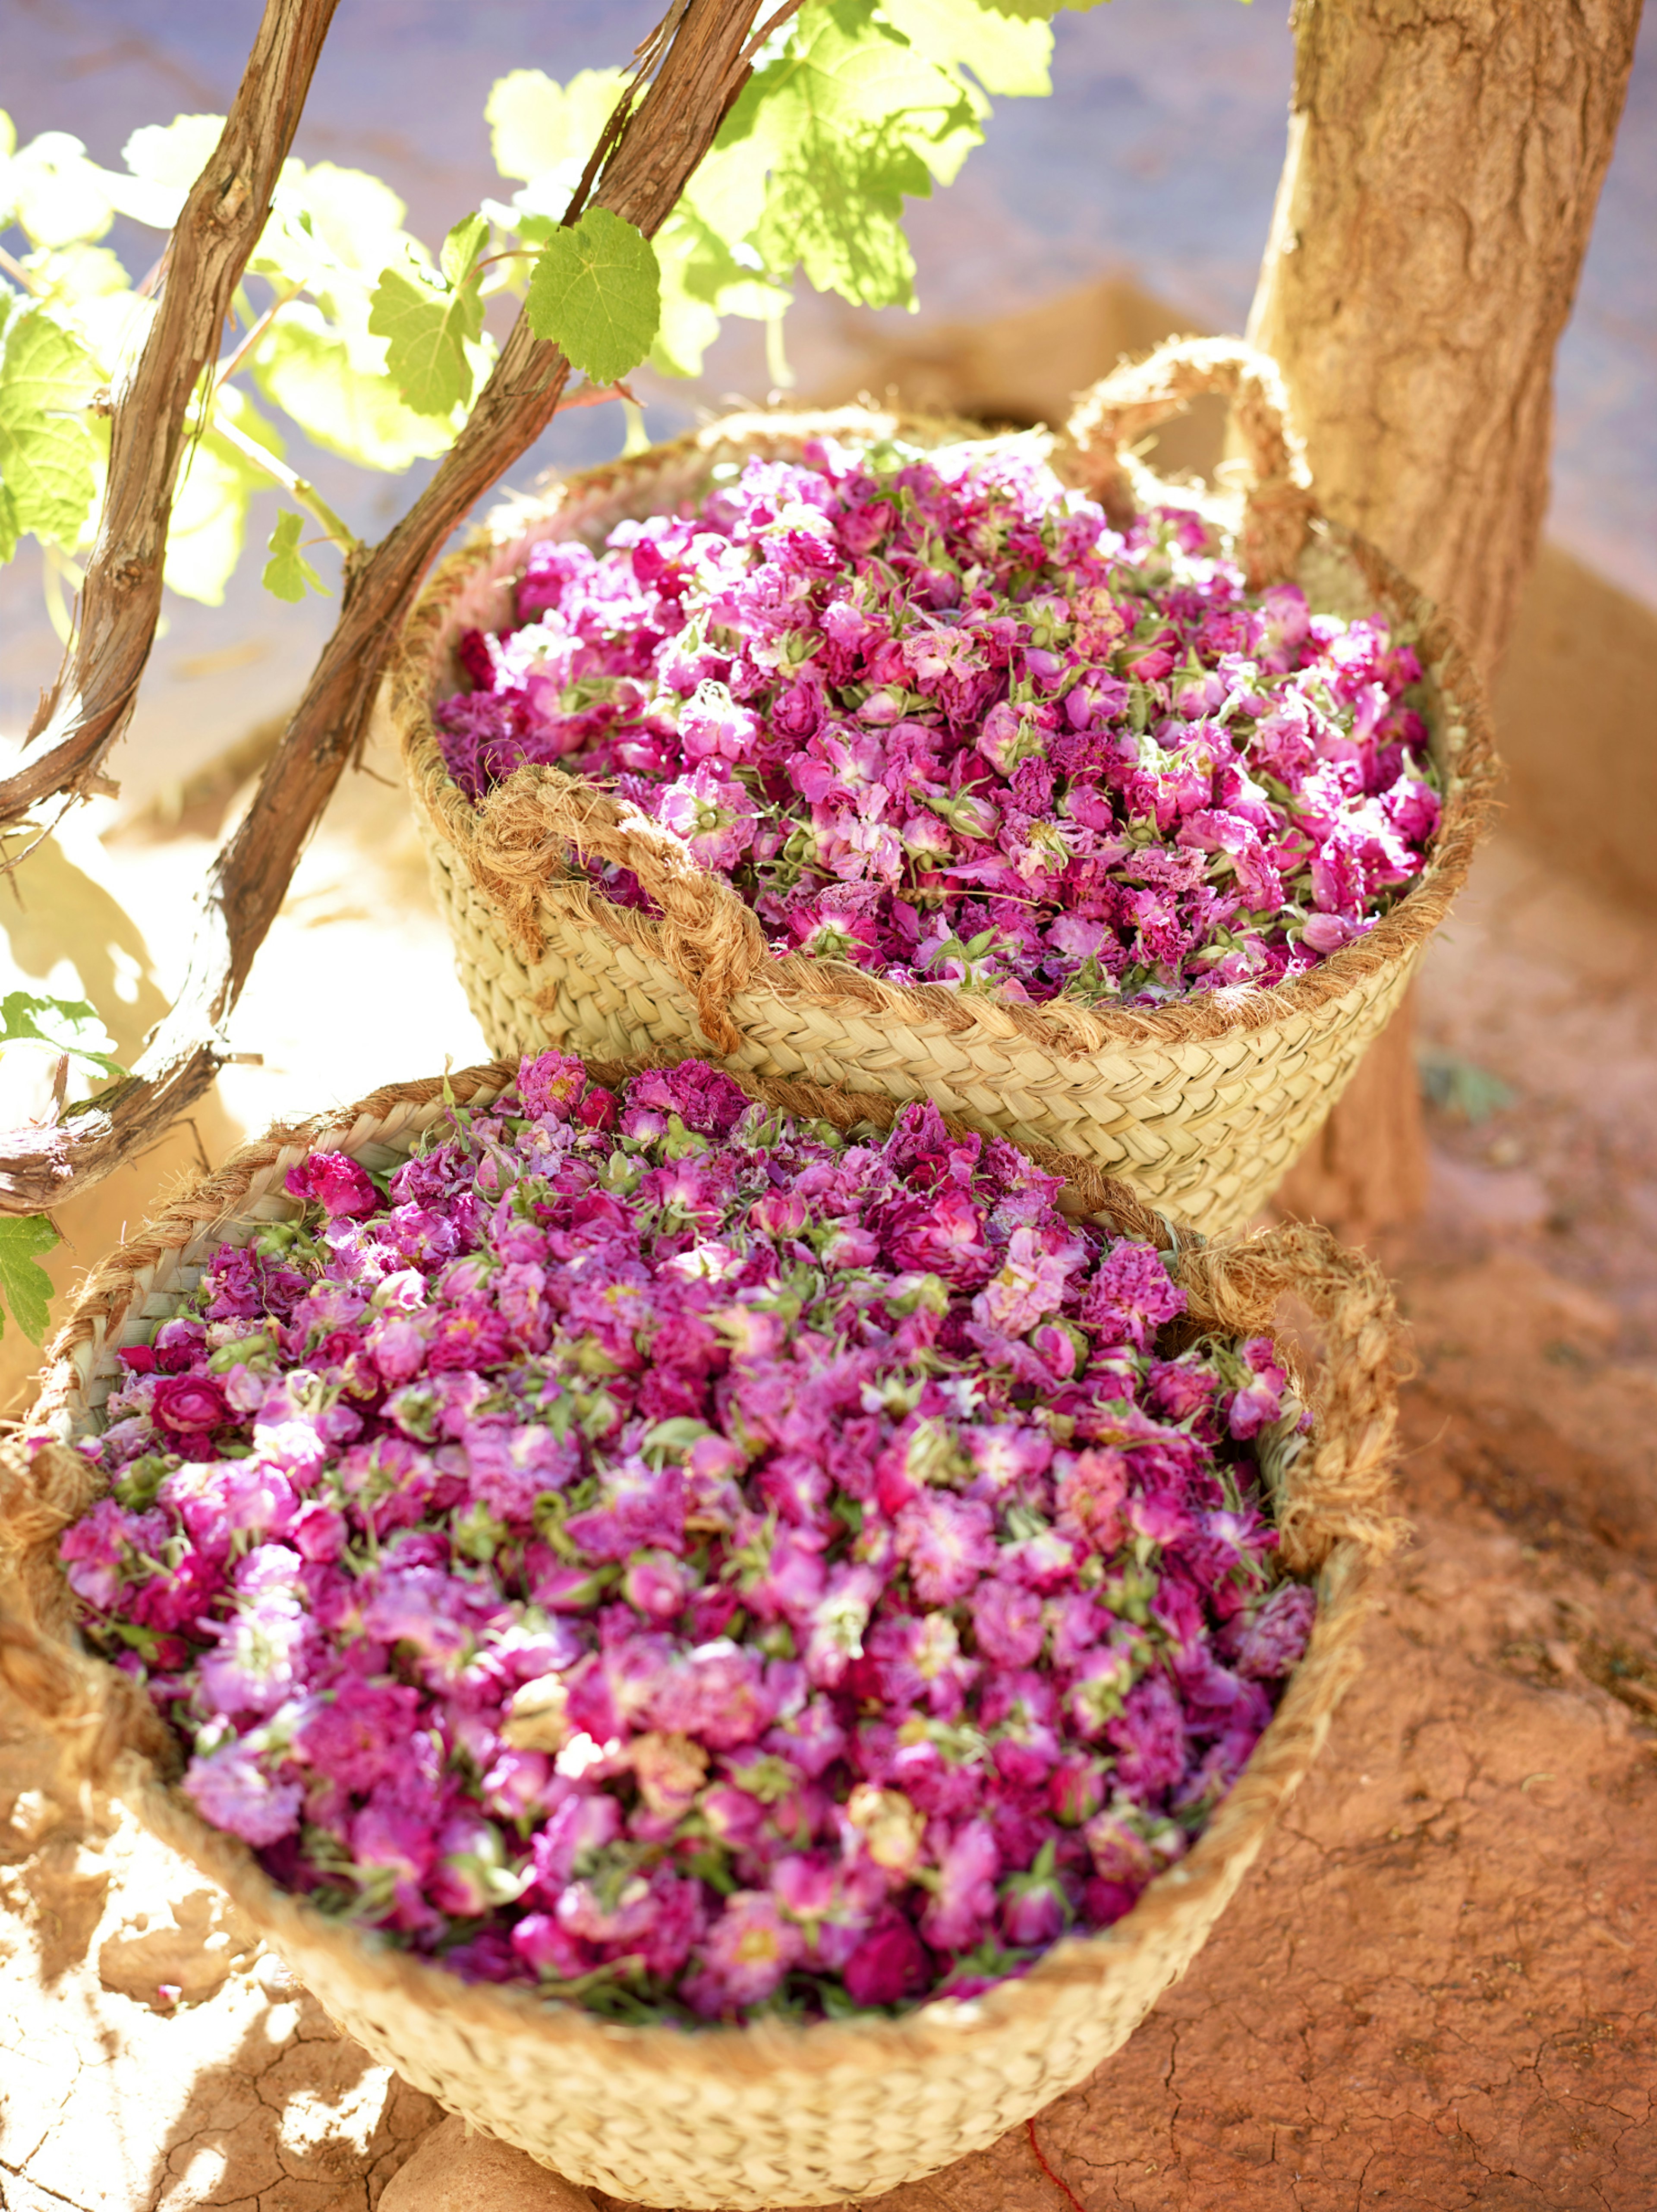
1443,168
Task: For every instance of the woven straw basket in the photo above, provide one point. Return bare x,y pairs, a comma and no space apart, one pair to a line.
1203,1105
742,2118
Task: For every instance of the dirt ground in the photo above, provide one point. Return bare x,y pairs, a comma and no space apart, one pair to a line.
1435,1990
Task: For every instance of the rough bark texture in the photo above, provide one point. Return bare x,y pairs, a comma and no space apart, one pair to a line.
88,708
705,62
1444,163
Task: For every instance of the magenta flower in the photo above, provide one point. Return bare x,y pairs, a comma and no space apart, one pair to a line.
187,1403
104,1551
948,1543
1277,1636
1007,1622
334,1182
1260,1398
890,1964
233,1790
358,1737
743,1957
713,817
260,1654
960,1909
1130,1296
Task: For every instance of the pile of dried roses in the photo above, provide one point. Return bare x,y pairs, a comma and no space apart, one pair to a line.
703,1564
928,714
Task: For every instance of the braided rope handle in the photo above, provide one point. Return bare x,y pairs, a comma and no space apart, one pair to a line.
1278,507
1342,1489
93,1713
712,941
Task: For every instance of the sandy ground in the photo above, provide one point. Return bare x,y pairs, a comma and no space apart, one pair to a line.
1435,1990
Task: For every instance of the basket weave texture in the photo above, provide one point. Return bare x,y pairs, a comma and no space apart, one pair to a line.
1204,1104
768,2115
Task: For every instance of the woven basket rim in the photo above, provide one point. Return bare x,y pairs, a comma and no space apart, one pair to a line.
1469,775
85,1698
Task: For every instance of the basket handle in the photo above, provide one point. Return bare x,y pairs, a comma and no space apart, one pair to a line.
1279,507
712,941
91,1712
1342,1489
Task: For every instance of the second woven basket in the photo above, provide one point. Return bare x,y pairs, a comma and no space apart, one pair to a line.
771,2113
1204,1105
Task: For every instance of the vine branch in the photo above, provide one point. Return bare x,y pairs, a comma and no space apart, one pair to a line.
700,69
90,704
298,489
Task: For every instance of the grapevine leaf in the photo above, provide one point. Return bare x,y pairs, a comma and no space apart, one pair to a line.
426,327
596,291
210,510
1005,55
701,281
332,381
288,573
838,211
1043,10
689,325
55,193
46,456
462,248
8,530
163,161
727,188
331,231
25,1285
542,132
20,1012
849,121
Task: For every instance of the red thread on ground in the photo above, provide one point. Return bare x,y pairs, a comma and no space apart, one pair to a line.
1058,2180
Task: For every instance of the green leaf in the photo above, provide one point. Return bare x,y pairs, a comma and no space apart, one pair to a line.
47,457
462,248
25,1285
840,214
702,281
57,195
163,161
19,1012
596,291
333,381
288,573
542,132
849,121
210,508
426,329
331,231
1005,55
1044,10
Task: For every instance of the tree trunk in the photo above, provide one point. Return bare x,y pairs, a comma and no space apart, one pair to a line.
1443,168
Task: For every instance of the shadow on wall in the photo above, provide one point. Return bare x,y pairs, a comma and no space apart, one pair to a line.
1576,700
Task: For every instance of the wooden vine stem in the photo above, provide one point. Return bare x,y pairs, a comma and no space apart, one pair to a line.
697,62
89,705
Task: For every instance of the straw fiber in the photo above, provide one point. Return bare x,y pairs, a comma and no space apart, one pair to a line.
1204,1104
770,2115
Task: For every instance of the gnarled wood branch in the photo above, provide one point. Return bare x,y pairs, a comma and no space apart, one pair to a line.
700,73
90,704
